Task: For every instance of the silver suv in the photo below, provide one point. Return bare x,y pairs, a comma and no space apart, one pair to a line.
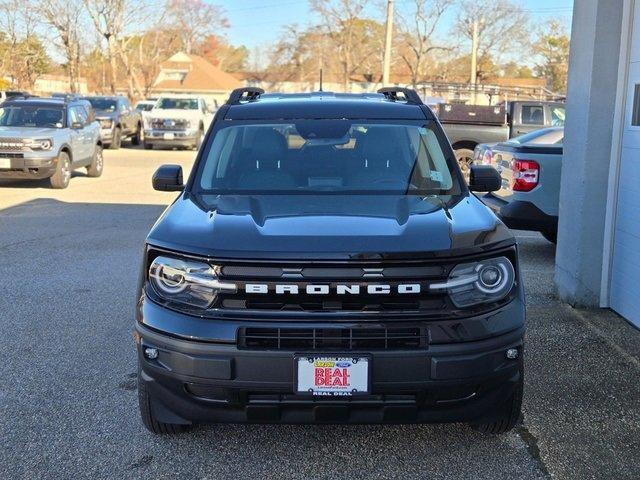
48,138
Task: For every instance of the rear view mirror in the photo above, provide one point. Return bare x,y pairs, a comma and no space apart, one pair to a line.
484,178
168,178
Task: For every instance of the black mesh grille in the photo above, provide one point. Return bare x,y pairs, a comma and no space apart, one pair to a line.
328,339
331,277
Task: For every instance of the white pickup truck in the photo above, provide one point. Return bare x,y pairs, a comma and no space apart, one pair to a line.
177,121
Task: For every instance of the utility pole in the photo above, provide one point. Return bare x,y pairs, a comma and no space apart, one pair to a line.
474,60
387,44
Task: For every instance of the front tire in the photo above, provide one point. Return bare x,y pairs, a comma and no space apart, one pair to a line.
60,179
464,156
138,138
117,139
95,168
511,414
146,413
199,140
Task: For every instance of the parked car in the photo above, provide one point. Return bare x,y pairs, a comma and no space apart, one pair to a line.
177,121
530,167
326,263
483,154
118,121
467,126
145,105
48,138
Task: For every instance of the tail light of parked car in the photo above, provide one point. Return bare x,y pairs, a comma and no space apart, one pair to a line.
525,175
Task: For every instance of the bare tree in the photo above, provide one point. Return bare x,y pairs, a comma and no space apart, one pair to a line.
195,19
340,20
109,19
502,26
24,57
66,19
114,20
417,32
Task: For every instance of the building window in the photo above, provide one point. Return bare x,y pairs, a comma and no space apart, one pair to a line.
635,117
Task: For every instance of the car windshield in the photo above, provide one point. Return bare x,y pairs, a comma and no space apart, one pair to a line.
32,116
328,157
177,104
105,104
144,107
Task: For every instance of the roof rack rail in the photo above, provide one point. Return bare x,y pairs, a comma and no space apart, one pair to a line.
410,95
244,94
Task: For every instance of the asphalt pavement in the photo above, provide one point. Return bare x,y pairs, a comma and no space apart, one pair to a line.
69,263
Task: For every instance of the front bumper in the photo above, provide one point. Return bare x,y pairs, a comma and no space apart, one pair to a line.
106,135
27,165
521,215
460,379
169,138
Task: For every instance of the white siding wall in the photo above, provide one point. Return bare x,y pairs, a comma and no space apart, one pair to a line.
625,267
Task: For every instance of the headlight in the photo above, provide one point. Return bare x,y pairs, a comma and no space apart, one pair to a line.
187,123
485,281
186,281
106,123
39,143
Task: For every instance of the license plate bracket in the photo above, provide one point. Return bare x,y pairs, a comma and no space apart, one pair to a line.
330,375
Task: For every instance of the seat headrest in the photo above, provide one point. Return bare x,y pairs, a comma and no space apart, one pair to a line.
269,147
380,146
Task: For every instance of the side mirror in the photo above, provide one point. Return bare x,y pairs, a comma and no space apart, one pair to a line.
484,178
168,178
77,125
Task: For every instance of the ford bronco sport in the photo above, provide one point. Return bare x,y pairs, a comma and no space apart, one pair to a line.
325,262
48,138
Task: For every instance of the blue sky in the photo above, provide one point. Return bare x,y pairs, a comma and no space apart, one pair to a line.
256,23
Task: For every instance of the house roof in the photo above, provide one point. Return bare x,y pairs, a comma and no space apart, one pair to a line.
198,75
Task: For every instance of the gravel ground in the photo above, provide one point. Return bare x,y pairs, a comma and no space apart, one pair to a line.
68,407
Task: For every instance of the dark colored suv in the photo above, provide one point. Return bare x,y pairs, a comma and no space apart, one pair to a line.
118,121
325,262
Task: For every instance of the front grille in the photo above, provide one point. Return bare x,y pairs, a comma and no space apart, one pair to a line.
327,339
11,144
169,124
304,291
332,277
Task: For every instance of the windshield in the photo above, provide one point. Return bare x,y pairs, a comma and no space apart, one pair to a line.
177,104
144,107
106,104
32,116
328,156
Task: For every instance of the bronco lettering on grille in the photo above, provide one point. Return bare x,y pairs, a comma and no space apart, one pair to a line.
340,289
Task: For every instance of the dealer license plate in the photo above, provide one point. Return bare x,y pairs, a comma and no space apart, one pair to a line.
168,136
5,163
332,376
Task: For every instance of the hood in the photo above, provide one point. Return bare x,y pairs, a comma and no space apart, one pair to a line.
173,113
28,132
327,227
